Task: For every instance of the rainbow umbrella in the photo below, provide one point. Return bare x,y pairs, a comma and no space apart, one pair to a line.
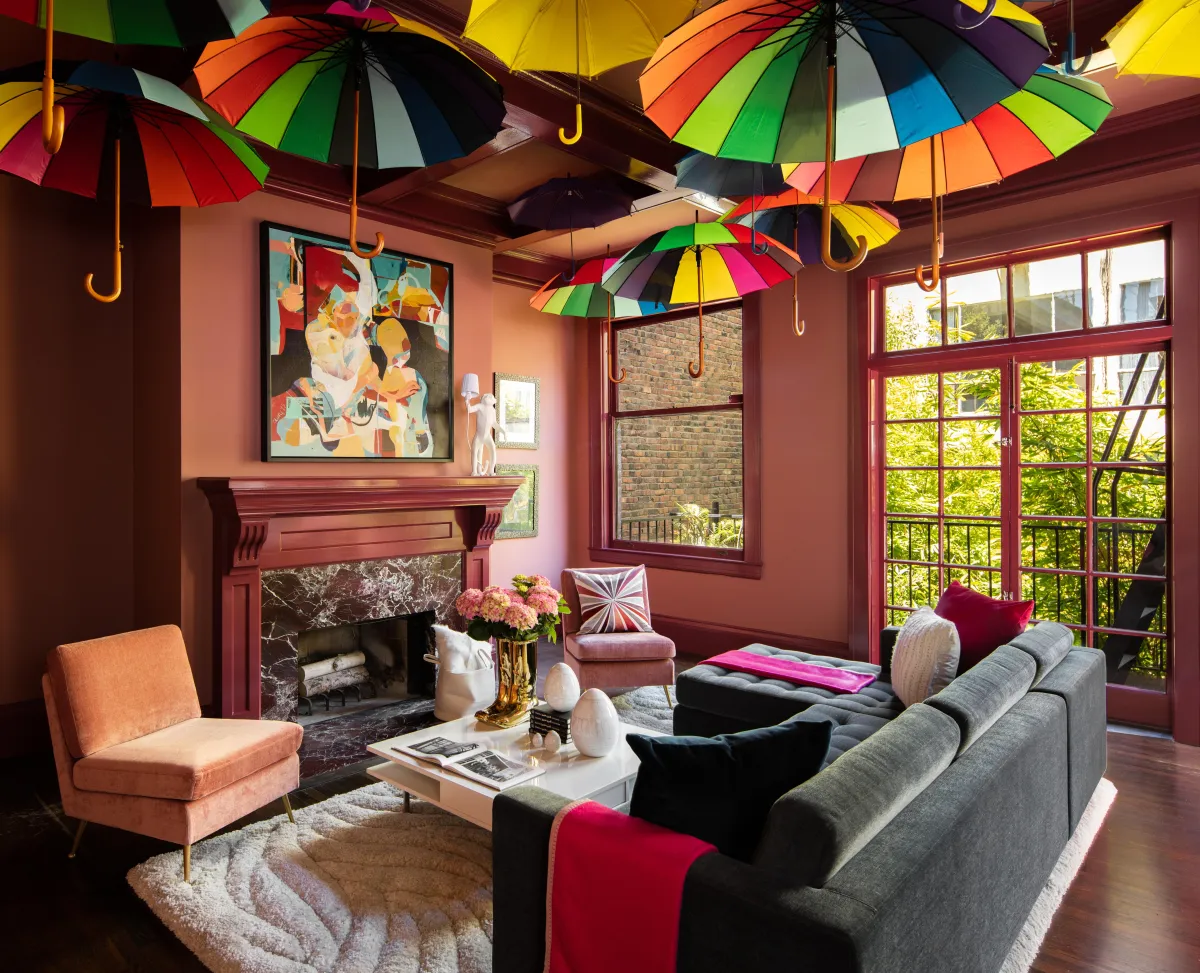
1051,114
770,82
1158,37
699,262
796,216
177,152
167,23
317,85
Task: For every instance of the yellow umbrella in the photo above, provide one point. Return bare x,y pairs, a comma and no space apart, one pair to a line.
1158,37
580,37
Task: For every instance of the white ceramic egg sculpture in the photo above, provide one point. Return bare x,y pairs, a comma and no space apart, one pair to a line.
594,724
553,744
562,688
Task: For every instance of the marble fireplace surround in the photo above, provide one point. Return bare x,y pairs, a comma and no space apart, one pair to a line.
289,524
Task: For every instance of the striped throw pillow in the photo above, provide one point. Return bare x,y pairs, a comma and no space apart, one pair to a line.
613,602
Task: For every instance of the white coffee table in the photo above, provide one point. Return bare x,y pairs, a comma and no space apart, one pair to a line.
607,780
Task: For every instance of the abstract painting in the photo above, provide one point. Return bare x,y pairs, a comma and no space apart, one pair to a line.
358,353
520,517
518,411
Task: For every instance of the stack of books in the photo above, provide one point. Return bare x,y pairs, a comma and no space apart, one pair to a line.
543,719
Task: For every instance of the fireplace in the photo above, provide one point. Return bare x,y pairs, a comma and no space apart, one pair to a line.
303,566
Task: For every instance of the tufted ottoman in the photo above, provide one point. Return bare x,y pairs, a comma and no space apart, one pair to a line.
714,700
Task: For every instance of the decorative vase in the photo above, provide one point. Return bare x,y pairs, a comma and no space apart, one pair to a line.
562,688
594,724
517,694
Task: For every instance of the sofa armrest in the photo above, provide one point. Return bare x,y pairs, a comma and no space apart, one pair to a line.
521,822
739,917
887,643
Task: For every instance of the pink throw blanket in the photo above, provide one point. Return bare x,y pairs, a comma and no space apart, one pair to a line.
793,670
614,880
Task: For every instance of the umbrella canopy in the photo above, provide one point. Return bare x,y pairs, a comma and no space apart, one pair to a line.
583,297
319,85
699,262
1158,37
165,23
571,203
1051,114
580,37
728,177
795,217
177,152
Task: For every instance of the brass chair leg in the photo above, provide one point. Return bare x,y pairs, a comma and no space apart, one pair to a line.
407,802
78,838
287,804
667,690
187,863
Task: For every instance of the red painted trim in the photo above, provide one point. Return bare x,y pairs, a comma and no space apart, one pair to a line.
706,639
1139,707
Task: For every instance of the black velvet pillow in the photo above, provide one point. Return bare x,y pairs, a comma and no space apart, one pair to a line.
720,789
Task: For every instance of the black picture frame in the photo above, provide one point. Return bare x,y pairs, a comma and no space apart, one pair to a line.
277,377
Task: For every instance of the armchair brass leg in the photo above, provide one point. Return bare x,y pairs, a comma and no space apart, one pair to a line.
187,863
288,807
78,838
667,690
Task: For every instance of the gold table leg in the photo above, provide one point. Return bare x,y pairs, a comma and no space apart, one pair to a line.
287,804
78,838
187,863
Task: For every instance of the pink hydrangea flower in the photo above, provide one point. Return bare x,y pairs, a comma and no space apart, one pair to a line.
514,596
468,603
495,603
543,599
521,617
541,581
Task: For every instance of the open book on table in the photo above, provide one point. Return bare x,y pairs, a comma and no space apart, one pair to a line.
472,761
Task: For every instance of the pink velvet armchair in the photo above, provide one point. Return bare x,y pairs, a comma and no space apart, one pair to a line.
610,660
133,752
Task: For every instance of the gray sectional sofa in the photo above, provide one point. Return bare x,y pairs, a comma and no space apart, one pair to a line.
921,846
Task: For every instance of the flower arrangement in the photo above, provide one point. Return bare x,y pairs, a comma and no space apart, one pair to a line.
528,610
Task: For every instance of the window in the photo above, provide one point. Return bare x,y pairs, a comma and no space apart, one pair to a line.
677,485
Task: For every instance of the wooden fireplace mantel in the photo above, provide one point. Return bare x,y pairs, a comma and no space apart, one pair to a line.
265,523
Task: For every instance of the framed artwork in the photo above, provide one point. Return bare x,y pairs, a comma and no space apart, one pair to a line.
518,411
521,515
358,355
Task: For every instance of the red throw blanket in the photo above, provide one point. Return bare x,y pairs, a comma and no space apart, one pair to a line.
793,670
615,885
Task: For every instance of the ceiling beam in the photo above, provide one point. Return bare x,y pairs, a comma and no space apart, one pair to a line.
530,239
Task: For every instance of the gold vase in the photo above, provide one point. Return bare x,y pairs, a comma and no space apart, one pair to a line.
517,694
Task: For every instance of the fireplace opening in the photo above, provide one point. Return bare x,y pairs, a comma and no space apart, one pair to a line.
356,667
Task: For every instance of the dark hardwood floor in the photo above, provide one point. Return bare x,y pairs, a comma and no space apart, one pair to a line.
1135,907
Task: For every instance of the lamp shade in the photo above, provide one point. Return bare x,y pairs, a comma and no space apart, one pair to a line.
470,385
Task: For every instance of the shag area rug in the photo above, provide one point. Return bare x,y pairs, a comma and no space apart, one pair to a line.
360,886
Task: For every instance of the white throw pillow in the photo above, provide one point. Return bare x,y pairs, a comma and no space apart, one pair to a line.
925,658
458,652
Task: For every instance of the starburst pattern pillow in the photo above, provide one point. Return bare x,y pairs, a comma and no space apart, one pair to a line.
613,602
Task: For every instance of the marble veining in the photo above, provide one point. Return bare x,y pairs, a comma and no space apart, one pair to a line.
296,600
334,744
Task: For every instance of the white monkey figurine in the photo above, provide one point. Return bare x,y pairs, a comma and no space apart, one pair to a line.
483,447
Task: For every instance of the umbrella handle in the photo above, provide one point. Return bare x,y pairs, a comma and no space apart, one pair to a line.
365,254
799,325
109,298
937,240
53,117
860,254
970,20
562,132
608,349
692,369
1068,65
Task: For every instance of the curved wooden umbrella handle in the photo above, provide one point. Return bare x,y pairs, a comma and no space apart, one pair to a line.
855,261
799,325
692,369
937,240
53,117
562,132
365,254
109,298
608,347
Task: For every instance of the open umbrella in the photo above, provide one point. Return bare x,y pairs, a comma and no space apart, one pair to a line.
770,82
1051,114
580,37
728,177
316,85
167,23
176,152
796,216
699,262
570,204
1158,37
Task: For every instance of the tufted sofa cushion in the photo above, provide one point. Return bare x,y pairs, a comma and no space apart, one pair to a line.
850,727
757,701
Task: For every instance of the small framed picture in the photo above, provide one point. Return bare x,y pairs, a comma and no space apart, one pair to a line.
519,411
521,515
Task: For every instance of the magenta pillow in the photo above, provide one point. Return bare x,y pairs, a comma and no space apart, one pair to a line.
984,624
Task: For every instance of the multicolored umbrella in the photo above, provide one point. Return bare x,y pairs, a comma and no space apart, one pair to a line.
177,152
166,23
1158,37
699,262
306,83
769,81
796,216
574,37
1051,114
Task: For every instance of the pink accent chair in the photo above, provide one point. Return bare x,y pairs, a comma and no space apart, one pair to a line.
617,659
133,752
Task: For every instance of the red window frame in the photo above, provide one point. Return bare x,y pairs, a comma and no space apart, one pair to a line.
1129,704
604,546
